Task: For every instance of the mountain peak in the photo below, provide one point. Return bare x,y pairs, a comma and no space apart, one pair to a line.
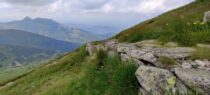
27,18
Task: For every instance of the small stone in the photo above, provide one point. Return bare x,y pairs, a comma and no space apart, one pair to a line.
206,17
200,63
186,64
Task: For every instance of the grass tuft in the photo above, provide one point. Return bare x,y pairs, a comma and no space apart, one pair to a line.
201,53
167,61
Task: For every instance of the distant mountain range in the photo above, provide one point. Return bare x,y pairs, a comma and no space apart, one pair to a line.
52,29
105,31
20,47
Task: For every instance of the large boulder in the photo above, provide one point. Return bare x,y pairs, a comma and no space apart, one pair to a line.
206,17
197,79
111,45
186,64
158,81
145,54
176,53
125,47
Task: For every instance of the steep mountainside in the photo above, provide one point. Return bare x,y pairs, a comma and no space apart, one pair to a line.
183,25
102,30
151,67
20,47
20,51
52,29
22,38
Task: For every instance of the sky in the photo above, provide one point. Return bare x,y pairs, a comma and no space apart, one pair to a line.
104,12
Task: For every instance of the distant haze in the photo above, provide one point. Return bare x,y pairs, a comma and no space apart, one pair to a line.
117,13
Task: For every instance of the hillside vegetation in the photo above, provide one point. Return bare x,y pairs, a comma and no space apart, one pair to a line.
20,48
183,25
78,74
102,73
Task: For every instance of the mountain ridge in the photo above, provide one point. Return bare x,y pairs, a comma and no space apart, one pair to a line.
50,28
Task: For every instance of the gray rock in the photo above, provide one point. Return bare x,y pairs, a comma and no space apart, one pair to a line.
136,53
125,57
149,57
141,54
142,92
90,48
206,17
157,81
196,79
111,45
124,48
204,63
200,63
176,53
186,64
138,62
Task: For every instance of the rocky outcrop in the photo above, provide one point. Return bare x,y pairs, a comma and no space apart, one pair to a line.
91,48
161,68
195,78
158,81
206,17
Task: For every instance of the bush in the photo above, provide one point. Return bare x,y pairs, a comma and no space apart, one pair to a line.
101,54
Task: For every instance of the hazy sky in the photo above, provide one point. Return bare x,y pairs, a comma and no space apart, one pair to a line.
111,12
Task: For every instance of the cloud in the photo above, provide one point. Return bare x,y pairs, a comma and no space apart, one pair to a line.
90,6
122,6
89,11
28,2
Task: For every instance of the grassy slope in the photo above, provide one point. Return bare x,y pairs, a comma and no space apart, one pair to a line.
177,25
9,73
78,74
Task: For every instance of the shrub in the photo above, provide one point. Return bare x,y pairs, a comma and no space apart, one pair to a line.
101,54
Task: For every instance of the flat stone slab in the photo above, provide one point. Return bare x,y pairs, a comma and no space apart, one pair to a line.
156,80
195,78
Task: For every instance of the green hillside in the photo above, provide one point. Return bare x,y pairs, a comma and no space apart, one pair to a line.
20,51
79,73
183,25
